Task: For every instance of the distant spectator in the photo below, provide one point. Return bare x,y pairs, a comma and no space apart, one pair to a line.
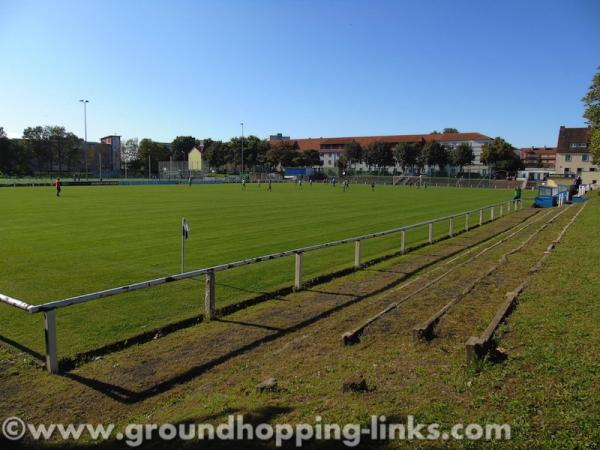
58,185
517,195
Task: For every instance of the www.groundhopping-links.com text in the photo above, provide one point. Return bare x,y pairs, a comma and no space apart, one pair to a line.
236,429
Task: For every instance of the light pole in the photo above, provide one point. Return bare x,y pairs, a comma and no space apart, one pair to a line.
85,102
242,124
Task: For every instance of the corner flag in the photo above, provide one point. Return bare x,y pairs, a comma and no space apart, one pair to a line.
185,234
185,229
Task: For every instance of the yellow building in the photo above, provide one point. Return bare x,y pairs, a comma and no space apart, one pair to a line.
195,160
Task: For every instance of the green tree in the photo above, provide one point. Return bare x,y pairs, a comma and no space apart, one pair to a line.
406,154
435,154
511,163
284,153
7,154
592,115
595,144
462,155
379,154
353,152
255,151
342,163
181,146
449,130
66,148
15,157
420,146
233,153
214,154
153,151
311,158
53,147
22,158
37,141
262,147
500,155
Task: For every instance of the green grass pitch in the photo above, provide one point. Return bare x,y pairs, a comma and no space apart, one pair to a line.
94,238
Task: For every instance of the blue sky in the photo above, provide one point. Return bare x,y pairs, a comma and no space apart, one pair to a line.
159,69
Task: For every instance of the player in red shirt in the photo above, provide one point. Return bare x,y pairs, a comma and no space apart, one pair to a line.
58,184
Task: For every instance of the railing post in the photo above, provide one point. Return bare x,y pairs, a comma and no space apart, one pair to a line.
402,241
508,207
451,227
430,232
357,254
481,217
298,272
467,222
492,214
50,338
501,210
209,296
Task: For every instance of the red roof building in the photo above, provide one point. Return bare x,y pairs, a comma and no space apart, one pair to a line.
331,148
338,143
538,156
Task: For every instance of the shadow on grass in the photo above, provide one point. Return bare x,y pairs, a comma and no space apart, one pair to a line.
69,363
249,324
128,396
7,341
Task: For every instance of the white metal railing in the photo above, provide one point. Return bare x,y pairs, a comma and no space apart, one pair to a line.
48,309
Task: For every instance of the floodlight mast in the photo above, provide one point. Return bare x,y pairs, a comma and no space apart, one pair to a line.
242,124
85,102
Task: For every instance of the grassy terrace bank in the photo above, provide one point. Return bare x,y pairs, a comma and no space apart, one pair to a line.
550,385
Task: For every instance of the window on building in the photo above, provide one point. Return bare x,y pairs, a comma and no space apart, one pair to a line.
585,157
567,157
578,145
567,171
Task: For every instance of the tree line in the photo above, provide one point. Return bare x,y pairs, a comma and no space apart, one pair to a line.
414,157
42,149
52,149
259,154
